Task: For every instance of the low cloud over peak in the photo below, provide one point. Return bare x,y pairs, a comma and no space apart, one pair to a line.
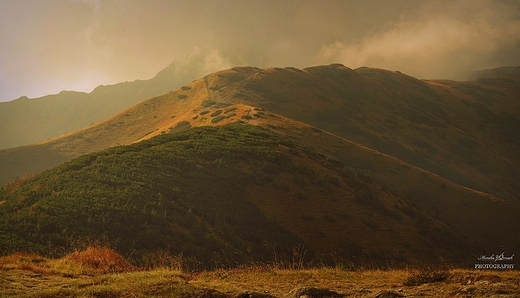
435,43
53,45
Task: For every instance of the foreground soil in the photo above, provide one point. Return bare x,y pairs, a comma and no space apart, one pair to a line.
33,276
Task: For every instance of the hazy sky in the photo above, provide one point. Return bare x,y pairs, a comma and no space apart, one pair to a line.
51,45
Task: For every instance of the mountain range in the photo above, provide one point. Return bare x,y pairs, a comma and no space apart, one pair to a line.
364,162
25,121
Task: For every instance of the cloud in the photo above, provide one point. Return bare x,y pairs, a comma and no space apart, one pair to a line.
47,46
202,62
434,42
213,61
95,3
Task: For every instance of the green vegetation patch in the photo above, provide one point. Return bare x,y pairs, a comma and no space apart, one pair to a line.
208,103
217,119
175,192
216,113
230,110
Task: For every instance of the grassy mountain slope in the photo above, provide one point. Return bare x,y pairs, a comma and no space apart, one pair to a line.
442,153
172,111
26,121
236,193
471,212
466,132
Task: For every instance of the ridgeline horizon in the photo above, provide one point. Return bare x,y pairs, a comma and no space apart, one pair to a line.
353,162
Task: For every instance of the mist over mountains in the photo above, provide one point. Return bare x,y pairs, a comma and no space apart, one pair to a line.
77,45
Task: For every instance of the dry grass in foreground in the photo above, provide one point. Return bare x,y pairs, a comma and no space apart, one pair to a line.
100,272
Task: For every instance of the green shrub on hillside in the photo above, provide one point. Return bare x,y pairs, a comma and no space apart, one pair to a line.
217,119
208,103
230,110
187,193
169,192
216,113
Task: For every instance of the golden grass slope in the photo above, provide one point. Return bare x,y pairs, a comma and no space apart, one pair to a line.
34,276
465,132
26,121
472,213
436,145
175,110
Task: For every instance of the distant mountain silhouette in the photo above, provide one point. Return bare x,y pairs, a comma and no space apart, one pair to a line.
504,72
25,121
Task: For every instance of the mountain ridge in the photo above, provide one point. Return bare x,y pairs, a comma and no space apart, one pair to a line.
25,121
439,152
346,118
503,72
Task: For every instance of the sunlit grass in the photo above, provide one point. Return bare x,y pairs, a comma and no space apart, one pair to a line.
29,275
84,273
